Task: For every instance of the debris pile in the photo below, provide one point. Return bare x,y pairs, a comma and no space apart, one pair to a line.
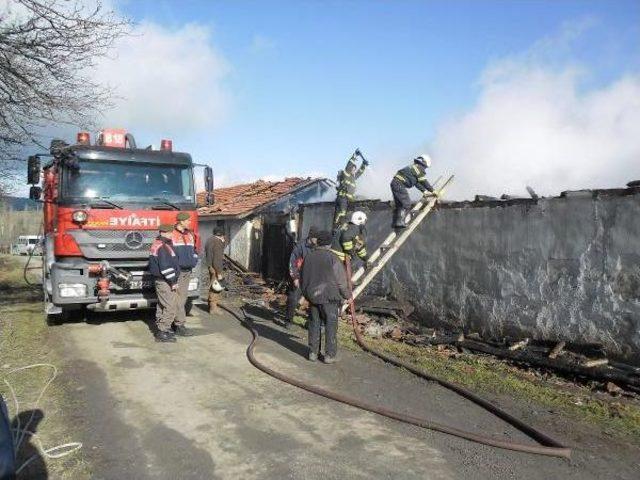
238,282
585,362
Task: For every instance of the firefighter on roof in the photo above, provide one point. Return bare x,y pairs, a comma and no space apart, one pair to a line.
347,187
350,239
414,175
164,267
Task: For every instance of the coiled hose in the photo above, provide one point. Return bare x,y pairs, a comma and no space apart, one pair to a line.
548,446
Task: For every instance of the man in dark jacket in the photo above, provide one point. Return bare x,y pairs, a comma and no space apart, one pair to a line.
164,267
410,176
324,285
214,255
346,190
184,244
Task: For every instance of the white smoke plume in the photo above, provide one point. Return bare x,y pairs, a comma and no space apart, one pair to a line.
533,126
534,123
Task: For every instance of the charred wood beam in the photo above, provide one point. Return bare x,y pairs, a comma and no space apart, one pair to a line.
600,373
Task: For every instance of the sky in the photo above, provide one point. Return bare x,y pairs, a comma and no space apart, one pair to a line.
503,94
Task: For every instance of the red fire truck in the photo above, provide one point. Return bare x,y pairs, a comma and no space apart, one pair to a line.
103,204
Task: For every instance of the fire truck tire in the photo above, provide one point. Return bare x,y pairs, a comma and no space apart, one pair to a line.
54,320
66,316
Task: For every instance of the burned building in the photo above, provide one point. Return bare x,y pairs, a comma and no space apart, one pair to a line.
255,219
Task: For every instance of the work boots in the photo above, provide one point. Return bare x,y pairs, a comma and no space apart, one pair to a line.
398,218
182,331
165,337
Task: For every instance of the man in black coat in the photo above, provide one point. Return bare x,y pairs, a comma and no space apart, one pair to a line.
324,285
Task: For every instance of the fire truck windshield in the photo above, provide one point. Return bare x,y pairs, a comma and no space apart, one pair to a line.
135,182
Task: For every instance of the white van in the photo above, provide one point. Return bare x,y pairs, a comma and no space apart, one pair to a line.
27,244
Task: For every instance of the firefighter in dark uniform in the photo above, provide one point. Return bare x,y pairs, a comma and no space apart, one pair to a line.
164,267
414,175
346,190
184,244
296,260
351,239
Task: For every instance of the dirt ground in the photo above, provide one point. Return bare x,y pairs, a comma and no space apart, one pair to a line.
198,410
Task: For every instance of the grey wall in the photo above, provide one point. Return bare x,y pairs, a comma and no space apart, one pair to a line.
559,268
238,235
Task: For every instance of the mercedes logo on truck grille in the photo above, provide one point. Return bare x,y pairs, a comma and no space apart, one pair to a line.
133,240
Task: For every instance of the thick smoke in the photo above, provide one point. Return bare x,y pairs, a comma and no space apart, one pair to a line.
535,123
533,126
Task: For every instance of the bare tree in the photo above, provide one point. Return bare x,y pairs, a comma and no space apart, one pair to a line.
47,51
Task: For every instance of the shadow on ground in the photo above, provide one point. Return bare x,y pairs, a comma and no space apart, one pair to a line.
264,321
28,453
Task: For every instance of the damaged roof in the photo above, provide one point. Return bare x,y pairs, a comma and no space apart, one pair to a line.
242,200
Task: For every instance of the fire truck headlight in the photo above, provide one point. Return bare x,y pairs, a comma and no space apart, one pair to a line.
79,216
193,284
68,290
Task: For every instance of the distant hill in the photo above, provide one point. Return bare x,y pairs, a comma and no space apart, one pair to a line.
19,203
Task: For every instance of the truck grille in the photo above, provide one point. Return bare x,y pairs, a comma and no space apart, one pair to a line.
111,244
119,234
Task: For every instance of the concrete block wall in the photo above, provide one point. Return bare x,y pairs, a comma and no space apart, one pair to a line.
562,268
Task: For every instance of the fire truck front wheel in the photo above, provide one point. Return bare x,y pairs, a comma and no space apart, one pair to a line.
55,319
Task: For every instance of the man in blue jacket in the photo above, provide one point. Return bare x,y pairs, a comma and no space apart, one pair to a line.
295,266
164,266
184,244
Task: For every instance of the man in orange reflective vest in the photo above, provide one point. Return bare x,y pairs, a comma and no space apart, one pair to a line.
184,244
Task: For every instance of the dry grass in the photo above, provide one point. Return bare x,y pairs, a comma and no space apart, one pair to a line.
25,340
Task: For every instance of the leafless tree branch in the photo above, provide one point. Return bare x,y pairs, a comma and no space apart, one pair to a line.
47,51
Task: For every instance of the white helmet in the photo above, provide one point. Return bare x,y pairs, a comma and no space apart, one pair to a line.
424,159
358,218
215,286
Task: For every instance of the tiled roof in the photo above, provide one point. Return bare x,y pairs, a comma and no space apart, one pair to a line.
240,200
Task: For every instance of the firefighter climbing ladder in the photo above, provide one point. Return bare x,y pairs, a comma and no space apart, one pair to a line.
393,242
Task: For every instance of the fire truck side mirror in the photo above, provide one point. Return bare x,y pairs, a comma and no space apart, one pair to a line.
208,184
33,170
35,193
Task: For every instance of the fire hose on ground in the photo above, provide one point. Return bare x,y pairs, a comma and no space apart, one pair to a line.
548,446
